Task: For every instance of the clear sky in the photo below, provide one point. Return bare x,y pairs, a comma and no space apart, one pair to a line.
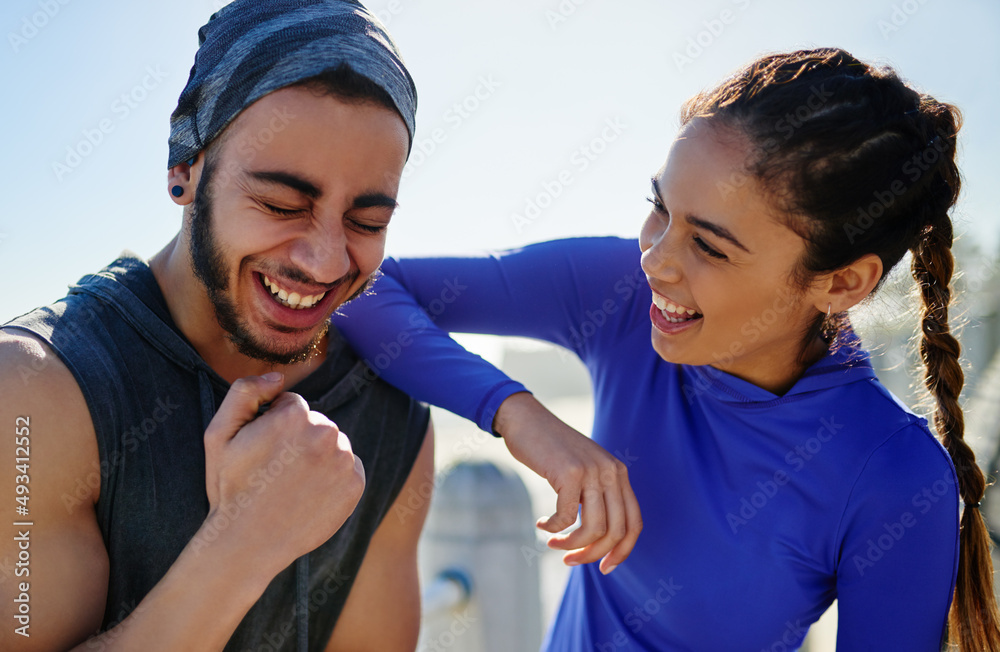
569,105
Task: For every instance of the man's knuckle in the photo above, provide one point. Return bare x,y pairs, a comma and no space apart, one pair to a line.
291,406
612,468
576,474
322,422
296,402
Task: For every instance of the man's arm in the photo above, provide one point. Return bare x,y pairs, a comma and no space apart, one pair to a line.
64,571
210,587
382,613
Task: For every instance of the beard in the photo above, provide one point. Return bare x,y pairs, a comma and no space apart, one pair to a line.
212,270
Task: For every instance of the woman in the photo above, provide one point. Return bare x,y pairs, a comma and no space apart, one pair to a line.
774,471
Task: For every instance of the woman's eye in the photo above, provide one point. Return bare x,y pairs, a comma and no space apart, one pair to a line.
708,250
655,201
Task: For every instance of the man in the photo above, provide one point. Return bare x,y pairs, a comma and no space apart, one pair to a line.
163,511
175,497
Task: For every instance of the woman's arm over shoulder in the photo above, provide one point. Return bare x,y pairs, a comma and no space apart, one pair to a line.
544,291
530,292
899,547
401,343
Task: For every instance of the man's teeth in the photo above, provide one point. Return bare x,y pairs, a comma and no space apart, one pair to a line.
293,299
671,311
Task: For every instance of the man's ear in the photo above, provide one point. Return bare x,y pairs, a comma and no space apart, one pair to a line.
182,179
847,286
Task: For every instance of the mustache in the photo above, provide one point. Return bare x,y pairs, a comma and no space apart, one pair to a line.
294,274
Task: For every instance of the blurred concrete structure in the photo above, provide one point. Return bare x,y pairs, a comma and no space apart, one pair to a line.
482,591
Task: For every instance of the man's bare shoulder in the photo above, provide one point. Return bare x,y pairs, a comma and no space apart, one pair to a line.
37,385
28,363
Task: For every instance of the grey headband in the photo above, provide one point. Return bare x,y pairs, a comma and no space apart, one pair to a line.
250,48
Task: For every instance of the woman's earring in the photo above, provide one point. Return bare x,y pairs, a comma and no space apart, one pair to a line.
176,191
829,306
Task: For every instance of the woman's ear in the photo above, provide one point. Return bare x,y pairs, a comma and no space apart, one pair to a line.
182,179
848,286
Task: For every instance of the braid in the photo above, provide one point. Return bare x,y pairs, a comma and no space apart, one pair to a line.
975,623
974,620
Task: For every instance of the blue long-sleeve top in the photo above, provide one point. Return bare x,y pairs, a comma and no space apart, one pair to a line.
759,510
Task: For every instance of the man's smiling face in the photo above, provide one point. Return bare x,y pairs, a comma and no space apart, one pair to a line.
290,215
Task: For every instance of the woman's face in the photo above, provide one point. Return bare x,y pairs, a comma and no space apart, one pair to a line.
719,263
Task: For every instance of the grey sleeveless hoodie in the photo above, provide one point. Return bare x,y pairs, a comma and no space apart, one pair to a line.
151,396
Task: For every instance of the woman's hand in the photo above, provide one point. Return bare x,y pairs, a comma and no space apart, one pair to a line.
583,474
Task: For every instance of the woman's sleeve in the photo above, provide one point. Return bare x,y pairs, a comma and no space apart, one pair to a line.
899,555
548,291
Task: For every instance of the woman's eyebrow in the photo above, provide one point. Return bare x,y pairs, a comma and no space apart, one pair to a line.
718,230
701,223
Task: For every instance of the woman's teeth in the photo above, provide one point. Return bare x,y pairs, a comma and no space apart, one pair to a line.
673,312
292,299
